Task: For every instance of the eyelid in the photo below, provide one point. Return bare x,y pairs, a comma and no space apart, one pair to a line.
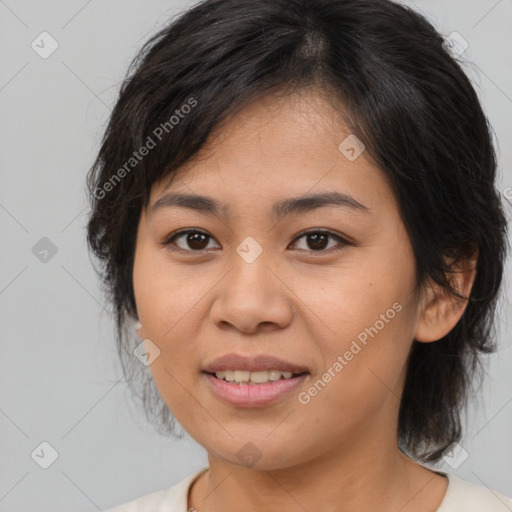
342,240
176,234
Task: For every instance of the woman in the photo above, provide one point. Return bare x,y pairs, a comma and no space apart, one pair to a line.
295,200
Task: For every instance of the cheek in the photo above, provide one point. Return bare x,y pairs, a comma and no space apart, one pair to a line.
168,302
163,294
147,290
371,323
162,302
360,381
359,305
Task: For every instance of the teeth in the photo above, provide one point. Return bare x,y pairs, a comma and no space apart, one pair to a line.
239,376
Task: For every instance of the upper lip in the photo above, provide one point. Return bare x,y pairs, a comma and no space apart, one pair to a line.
260,362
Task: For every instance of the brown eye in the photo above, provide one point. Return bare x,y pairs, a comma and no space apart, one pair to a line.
318,241
193,240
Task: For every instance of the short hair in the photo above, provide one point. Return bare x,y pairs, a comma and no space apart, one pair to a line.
390,78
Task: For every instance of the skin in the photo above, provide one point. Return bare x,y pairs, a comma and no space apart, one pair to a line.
294,302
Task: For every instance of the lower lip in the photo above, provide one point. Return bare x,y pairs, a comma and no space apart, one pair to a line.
257,395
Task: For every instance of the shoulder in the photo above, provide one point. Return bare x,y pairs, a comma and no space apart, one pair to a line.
465,496
172,499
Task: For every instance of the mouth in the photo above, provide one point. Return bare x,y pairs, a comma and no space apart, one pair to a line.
242,393
254,378
257,363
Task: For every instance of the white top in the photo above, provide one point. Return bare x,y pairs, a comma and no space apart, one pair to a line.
461,496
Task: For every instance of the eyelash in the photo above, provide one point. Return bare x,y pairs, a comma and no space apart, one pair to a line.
171,238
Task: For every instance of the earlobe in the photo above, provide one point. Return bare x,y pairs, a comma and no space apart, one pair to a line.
137,328
440,310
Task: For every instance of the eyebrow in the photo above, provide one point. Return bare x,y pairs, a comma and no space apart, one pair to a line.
280,209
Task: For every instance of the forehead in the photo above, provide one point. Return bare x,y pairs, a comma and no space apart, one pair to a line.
276,145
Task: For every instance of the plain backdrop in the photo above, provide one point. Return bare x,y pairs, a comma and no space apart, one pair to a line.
59,379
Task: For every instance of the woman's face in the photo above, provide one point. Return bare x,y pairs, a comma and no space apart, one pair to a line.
343,310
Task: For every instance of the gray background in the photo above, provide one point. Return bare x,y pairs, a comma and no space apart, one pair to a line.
59,373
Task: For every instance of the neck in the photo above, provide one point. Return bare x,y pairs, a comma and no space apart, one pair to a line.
360,475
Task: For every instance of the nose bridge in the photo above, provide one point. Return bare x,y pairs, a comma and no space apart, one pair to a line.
250,250
250,265
251,294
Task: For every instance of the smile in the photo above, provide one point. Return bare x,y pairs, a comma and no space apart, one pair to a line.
260,377
245,393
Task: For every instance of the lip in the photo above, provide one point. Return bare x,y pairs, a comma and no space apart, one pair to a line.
257,395
254,363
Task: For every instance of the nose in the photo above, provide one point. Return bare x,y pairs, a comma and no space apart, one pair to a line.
252,296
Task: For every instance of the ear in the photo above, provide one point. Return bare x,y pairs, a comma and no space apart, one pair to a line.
439,310
138,330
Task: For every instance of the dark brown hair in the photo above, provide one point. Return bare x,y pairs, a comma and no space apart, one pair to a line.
386,70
